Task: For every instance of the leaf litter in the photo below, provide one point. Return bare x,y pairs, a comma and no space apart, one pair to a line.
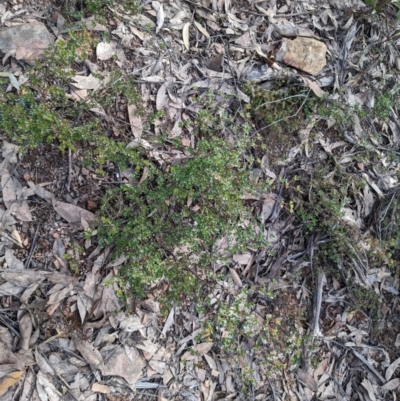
69,339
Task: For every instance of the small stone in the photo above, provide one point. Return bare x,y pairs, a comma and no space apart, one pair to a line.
384,309
186,142
397,342
27,42
91,205
27,177
305,54
55,235
360,166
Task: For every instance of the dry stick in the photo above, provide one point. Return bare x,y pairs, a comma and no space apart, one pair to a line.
5,235
33,247
279,100
69,177
285,118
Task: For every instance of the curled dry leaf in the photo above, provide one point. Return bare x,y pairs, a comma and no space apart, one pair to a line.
169,322
185,34
160,18
25,330
391,369
392,385
135,121
202,30
307,379
235,277
89,82
162,97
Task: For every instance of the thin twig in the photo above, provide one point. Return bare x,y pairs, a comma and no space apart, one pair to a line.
69,177
33,246
283,119
5,235
279,100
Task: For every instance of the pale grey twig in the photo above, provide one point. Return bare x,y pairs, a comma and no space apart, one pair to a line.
285,118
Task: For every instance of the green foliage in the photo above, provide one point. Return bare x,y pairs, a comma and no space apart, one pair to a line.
367,301
60,60
168,224
27,121
383,106
99,9
283,109
378,6
46,114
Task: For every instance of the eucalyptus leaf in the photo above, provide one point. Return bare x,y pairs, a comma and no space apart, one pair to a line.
13,81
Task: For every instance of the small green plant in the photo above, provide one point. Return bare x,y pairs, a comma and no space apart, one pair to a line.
378,6
367,301
168,224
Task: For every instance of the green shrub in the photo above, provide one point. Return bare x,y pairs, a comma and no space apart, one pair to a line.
168,224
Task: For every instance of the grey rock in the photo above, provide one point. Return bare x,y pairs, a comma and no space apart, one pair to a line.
26,42
305,54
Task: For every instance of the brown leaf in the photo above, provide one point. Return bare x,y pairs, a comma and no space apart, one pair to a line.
135,121
9,380
203,348
101,388
236,278
125,362
89,82
73,214
60,295
314,87
89,353
321,368
25,330
307,379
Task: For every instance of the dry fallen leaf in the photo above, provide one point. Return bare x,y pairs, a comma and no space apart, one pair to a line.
101,388
307,379
135,121
89,82
185,34
169,322
160,18
106,50
89,353
202,30
236,278
391,369
25,330
162,97
125,362
392,385
9,380
73,214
